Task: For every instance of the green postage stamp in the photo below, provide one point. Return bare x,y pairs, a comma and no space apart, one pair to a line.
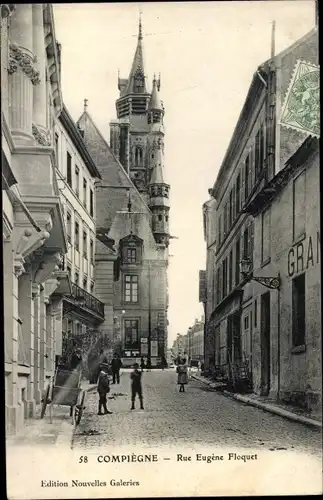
301,109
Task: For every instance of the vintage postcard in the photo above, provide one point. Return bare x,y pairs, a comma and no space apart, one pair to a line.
161,243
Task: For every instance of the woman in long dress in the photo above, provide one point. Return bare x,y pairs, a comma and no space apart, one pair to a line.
182,378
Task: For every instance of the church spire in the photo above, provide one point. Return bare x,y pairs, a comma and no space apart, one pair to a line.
136,80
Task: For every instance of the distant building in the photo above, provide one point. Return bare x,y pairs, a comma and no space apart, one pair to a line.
266,300
132,217
192,343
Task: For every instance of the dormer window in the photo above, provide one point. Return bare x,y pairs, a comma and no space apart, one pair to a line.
131,250
139,82
131,255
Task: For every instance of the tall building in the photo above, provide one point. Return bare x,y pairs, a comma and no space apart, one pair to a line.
76,173
34,236
264,309
132,217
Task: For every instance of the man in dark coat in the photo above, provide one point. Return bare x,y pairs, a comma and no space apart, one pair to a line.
103,390
116,365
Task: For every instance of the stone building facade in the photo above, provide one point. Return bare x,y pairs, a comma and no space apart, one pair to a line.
262,219
132,218
76,173
34,237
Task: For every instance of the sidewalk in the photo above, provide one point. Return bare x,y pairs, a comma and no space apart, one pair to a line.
40,432
266,404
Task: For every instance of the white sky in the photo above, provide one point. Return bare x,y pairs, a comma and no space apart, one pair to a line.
206,53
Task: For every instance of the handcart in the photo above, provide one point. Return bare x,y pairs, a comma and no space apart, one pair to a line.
65,390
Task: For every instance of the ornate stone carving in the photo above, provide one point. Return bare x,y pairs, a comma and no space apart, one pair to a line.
35,290
7,9
19,58
161,190
42,137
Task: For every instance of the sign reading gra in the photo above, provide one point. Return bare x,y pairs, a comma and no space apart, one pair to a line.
301,109
303,255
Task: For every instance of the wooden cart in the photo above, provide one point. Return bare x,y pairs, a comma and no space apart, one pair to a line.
65,390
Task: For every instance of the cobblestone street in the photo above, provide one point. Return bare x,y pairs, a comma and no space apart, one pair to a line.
199,416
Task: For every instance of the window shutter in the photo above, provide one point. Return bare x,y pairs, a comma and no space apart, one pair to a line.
242,190
252,165
233,203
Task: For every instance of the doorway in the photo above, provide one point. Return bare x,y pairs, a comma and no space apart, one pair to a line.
234,338
265,344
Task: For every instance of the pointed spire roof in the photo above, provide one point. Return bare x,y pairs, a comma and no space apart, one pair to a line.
157,176
155,103
137,64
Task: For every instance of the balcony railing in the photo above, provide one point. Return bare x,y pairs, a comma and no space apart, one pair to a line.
87,301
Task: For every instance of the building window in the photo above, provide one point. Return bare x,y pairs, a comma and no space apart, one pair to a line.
76,278
256,314
131,288
85,283
77,236
85,244
245,244
259,151
131,255
138,156
224,278
230,270
238,194
84,192
250,241
231,208
131,334
92,251
299,210
218,288
247,185
77,181
57,149
237,269
92,288
139,82
225,220
298,297
69,226
160,217
265,236
91,203
69,169
220,229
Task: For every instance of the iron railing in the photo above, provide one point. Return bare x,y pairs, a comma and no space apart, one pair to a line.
87,300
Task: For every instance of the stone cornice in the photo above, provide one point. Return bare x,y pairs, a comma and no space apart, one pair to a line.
53,62
19,58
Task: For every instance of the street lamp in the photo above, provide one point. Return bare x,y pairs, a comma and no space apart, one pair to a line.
247,274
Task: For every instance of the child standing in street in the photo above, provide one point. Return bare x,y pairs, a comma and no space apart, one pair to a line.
136,387
103,390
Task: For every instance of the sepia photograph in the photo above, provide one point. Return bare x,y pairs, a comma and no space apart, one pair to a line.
161,249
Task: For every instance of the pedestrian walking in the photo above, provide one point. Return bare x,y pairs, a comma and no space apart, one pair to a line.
164,363
136,387
142,363
103,390
182,378
116,364
148,364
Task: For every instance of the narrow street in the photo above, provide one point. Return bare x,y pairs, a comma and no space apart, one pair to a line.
199,416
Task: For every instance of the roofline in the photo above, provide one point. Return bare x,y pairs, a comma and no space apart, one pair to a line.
256,85
244,115
69,124
132,186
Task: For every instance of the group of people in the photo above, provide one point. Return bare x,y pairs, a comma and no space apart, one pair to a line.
104,387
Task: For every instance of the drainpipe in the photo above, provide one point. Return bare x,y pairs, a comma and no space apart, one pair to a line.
278,341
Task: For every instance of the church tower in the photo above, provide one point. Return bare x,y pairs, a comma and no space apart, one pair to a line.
137,140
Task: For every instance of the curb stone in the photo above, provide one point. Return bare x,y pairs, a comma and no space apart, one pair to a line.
265,406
